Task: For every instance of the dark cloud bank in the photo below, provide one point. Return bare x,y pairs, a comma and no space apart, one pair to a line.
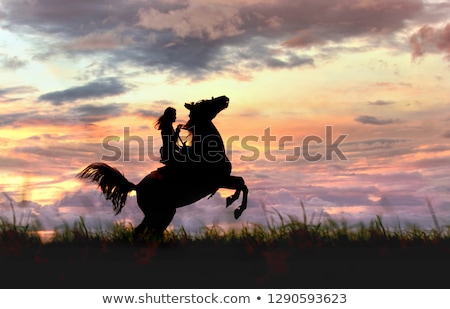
94,90
196,39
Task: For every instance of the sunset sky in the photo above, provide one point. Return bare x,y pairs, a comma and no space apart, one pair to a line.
375,71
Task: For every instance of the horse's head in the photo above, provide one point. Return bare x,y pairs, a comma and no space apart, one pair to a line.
206,110
206,143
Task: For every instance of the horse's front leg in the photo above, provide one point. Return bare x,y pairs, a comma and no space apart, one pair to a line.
232,198
237,183
232,182
238,212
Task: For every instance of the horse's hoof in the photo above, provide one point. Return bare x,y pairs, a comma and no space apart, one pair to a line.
237,213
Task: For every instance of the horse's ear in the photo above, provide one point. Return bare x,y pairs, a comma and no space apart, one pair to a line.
188,106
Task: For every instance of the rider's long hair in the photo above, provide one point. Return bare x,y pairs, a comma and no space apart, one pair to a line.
166,118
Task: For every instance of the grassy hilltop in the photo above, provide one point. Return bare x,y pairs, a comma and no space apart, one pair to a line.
293,254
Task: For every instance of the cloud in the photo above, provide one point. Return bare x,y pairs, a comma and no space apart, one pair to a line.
340,20
373,144
11,63
68,17
95,210
5,93
11,118
446,134
365,119
94,90
99,40
8,163
257,54
148,113
59,151
82,114
93,113
35,119
293,61
196,39
431,39
16,90
380,103
202,20
431,162
164,102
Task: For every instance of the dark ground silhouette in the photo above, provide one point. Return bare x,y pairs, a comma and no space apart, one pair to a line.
153,265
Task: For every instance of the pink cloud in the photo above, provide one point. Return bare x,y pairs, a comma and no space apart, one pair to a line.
99,41
198,20
305,38
430,39
325,21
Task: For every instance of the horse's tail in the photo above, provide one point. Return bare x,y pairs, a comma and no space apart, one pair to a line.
113,184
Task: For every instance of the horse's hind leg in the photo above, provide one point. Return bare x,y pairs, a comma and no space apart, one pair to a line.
141,228
159,225
155,222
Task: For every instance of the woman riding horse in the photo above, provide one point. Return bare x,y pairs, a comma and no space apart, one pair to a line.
207,170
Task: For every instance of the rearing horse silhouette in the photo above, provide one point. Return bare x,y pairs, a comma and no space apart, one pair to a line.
161,192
